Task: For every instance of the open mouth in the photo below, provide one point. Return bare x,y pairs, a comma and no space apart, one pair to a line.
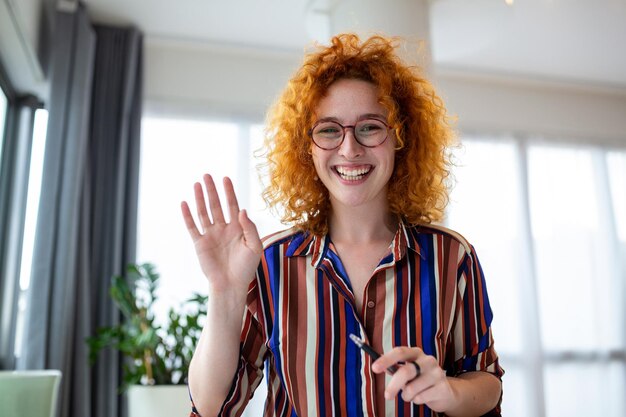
353,174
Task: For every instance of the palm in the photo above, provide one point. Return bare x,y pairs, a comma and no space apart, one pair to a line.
225,256
228,252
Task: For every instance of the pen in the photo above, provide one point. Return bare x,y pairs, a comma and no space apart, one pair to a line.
368,349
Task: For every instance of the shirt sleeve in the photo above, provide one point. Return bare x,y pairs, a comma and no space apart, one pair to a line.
249,373
472,339
250,370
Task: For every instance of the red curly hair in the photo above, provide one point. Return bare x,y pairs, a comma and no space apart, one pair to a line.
418,192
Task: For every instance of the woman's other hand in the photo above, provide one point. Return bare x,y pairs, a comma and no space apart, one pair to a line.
430,387
469,394
228,253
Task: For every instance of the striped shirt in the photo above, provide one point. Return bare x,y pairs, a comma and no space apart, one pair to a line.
427,292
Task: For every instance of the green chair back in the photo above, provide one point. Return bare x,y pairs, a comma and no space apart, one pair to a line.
29,393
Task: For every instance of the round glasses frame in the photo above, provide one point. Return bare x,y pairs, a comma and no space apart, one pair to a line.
354,133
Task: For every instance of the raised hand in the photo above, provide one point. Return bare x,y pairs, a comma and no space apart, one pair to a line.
228,253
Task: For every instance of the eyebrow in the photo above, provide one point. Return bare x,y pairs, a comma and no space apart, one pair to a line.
377,116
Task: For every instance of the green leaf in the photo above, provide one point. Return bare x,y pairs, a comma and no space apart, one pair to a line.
169,348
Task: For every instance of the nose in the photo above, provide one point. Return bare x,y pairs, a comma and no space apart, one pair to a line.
350,148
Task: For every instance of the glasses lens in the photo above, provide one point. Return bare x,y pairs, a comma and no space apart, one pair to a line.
327,135
370,132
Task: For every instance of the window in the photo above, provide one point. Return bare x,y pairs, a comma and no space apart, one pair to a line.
18,147
548,225
3,115
175,153
30,221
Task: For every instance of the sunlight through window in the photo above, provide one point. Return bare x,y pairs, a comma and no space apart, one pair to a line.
577,232
30,221
175,154
3,114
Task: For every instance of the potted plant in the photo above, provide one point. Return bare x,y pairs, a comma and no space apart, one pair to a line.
156,356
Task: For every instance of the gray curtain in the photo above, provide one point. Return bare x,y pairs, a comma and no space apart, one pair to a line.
86,229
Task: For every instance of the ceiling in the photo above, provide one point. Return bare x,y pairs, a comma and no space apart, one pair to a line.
573,41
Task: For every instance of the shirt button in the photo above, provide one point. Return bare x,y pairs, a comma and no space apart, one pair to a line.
371,304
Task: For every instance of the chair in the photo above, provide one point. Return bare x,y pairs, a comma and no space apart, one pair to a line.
29,393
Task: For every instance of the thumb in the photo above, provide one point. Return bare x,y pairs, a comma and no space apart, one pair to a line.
250,232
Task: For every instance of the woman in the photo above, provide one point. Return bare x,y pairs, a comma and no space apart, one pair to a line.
357,160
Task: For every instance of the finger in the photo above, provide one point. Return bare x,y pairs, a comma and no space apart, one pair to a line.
203,216
395,355
231,199
436,393
214,200
419,392
189,222
403,376
416,386
250,232
431,376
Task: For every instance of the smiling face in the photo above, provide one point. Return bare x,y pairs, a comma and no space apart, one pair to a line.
354,175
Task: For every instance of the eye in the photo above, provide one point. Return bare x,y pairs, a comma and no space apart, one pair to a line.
329,130
370,127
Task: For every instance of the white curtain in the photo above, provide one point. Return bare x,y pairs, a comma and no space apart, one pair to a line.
549,225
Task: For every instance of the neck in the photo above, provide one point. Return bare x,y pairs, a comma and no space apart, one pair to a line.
360,225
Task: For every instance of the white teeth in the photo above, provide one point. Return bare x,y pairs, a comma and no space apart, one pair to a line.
352,174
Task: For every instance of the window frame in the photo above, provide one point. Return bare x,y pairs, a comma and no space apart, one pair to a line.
14,171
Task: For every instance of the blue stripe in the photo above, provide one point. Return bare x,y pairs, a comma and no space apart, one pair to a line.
486,305
464,272
483,342
427,292
353,365
339,274
322,340
273,268
272,256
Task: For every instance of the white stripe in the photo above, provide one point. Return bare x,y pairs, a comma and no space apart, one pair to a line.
276,386
364,392
436,297
463,281
458,328
243,399
387,341
332,344
281,324
311,339
410,290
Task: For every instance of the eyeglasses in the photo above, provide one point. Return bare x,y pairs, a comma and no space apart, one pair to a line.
329,135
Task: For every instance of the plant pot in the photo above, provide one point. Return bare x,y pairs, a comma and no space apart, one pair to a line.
158,400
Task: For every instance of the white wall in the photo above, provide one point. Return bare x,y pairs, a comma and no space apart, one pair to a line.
238,82
554,110
213,80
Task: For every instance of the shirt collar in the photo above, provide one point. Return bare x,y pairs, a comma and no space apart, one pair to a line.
305,243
